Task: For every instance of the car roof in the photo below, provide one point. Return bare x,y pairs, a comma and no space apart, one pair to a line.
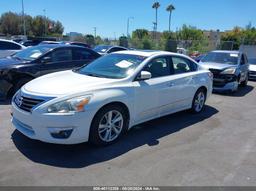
227,51
59,45
146,53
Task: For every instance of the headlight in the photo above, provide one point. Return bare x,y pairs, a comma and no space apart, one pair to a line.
70,106
229,71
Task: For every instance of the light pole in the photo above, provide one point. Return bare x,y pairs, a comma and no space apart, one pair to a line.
128,25
45,27
23,18
95,31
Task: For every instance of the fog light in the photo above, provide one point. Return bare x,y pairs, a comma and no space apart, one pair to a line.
60,133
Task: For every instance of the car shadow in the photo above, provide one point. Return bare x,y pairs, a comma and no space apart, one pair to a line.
241,92
5,102
83,155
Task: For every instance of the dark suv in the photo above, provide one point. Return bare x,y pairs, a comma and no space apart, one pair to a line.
36,61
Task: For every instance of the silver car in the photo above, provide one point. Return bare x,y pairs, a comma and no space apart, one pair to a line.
252,68
9,47
230,69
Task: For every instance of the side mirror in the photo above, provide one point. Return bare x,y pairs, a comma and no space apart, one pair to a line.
144,75
46,59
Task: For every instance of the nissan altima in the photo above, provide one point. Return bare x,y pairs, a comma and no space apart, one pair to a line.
101,101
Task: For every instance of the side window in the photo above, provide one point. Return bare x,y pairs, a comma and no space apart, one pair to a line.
61,55
182,65
9,46
242,62
115,49
80,54
158,67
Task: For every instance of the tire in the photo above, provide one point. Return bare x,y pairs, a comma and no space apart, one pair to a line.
104,132
18,85
198,101
245,82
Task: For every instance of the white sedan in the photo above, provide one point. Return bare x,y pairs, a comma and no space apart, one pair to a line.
101,101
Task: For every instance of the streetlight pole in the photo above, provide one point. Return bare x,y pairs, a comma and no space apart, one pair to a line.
128,25
23,18
95,31
45,27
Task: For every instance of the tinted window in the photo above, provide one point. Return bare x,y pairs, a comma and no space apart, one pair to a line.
79,54
158,67
242,62
115,49
9,46
61,55
182,65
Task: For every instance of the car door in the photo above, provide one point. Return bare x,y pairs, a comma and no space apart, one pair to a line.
83,56
148,93
57,60
181,86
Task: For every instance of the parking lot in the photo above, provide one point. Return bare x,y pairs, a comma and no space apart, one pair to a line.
216,147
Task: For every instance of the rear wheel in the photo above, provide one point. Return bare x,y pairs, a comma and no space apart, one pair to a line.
108,125
199,101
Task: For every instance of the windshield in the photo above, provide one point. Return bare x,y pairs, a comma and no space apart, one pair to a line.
252,61
221,58
101,48
31,53
113,66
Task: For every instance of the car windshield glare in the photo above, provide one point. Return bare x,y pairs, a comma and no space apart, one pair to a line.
221,58
31,53
113,66
101,48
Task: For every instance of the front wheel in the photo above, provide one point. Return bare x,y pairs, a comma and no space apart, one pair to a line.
245,82
198,101
108,125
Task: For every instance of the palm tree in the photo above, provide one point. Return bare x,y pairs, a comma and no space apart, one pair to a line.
156,5
170,8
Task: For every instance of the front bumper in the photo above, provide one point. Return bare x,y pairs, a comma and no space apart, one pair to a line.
37,126
231,86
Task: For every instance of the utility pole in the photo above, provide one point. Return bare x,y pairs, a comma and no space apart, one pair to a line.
95,31
45,27
128,25
23,18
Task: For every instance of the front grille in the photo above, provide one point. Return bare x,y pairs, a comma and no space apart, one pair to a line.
26,103
215,72
253,72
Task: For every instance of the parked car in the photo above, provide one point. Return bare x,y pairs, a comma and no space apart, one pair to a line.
9,47
199,58
252,68
29,43
229,68
106,49
36,61
78,44
101,101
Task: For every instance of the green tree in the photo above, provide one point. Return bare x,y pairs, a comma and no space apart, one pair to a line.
123,41
155,6
89,39
10,23
170,8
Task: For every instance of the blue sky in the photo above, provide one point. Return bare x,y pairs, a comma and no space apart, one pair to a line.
110,16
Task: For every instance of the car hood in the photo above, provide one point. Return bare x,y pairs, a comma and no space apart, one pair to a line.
64,83
252,67
8,62
214,65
